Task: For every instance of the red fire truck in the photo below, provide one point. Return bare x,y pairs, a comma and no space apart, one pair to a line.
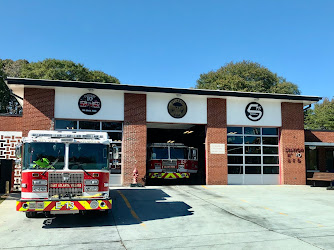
64,172
171,160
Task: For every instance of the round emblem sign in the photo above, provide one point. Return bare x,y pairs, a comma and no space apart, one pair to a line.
254,111
177,108
89,104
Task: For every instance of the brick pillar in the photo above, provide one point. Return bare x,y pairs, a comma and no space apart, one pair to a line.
38,109
293,169
134,138
216,132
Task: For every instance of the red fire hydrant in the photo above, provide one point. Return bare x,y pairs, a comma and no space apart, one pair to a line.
135,176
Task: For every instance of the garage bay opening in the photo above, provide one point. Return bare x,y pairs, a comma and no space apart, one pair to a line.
175,154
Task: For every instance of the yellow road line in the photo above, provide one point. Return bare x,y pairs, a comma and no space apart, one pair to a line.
283,214
130,208
319,225
245,201
268,208
204,187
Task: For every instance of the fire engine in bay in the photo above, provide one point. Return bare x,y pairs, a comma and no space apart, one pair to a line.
171,160
64,172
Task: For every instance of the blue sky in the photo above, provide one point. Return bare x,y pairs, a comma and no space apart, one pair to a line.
170,43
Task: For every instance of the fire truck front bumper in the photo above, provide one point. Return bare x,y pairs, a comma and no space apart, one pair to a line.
168,175
63,205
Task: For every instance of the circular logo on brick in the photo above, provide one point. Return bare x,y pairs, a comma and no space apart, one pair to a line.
89,104
254,111
177,108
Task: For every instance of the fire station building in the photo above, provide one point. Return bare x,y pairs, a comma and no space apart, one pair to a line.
242,138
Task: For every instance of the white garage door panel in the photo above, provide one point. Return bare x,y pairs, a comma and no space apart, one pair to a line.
235,179
252,179
271,179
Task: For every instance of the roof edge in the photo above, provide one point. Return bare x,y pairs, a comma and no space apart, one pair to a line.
138,88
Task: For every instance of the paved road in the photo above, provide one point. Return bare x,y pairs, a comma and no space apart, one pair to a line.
185,217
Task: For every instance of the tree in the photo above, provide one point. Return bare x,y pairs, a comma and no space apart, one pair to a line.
321,116
64,70
4,92
52,69
246,76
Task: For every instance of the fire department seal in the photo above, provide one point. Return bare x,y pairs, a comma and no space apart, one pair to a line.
89,104
254,111
177,108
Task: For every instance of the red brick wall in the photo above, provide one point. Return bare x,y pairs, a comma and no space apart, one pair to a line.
216,132
134,138
293,170
38,109
11,123
319,136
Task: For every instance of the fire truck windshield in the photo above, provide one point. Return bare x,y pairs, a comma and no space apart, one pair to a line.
88,156
44,155
179,153
159,153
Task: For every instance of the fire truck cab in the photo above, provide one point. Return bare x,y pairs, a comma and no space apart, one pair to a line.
64,172
171,160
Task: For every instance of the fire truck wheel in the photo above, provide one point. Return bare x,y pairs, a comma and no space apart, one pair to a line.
31,214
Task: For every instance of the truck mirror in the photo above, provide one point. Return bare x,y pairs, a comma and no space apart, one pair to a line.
18,151
194,154
115,153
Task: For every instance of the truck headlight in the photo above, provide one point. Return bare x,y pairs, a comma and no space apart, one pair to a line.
39,189
40,182
91,188
92,182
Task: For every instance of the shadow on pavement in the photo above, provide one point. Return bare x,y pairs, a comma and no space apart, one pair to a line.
96,219
130,206
148,204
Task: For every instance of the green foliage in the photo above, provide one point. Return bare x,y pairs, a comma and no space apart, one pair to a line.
321,116
13,68
52,69
8,103
246,76
64,70
4,93
99,76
